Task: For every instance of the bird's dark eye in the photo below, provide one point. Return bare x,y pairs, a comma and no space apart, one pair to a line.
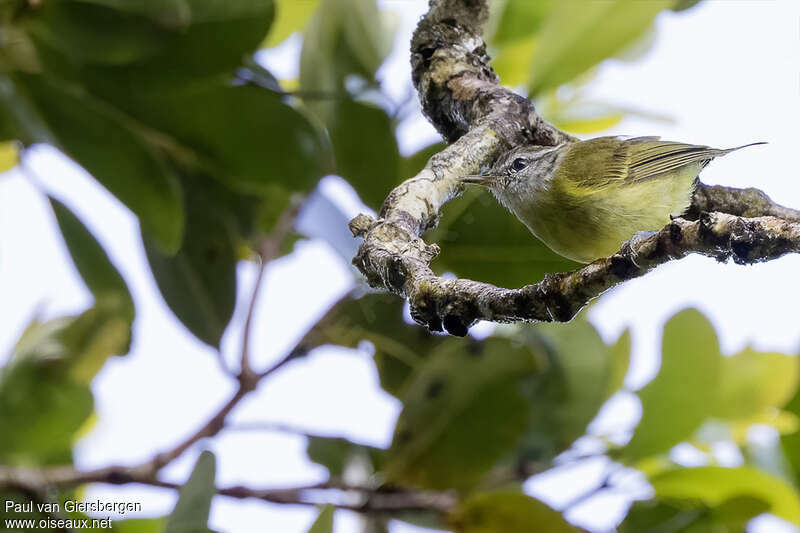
518,164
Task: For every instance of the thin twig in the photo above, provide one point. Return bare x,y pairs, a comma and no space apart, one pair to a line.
268,250
372,499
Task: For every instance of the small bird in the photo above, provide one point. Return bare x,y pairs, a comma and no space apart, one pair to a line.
583,199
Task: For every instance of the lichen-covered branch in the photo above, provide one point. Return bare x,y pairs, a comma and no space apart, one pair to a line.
454,304
462,97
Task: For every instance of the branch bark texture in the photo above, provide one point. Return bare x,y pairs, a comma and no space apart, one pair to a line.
462,97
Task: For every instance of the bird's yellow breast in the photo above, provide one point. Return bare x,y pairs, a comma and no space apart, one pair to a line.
586,225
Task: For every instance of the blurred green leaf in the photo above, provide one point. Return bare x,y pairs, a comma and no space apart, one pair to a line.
40,412
507,511
324,522
400,348
196,38
481,240
464,392
45,397
697,384
751,382
577,115
790,442
681,5
167,13
103,141
139,525
375,524
199,281
343,37
692,516
9,155
216,40
714,485
365,149
90,32
519,19
583,373
579,35
246,136
93,264
194,499
292,16
685,391
585,125
512,61
337,454
19,119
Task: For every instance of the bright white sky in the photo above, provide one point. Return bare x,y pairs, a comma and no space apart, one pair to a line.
727,72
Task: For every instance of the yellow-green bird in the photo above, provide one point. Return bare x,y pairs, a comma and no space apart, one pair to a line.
584,199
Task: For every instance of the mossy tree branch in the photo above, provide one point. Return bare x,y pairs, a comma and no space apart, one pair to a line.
462,97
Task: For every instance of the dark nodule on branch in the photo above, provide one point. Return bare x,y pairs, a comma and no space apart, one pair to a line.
462,97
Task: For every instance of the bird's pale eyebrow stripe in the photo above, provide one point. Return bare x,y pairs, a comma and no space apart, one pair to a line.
548,162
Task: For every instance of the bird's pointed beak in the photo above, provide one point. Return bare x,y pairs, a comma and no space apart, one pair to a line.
477,179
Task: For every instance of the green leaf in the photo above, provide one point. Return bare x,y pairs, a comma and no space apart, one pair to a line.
139,525
365,149
400,348
167,13
585,372
41,410
685,391
96,269
199,281
465,392
586,125
89,32
194,499
512,61
343,37
375,524
324,522
45,397
103,141
336,454
579,35
9,155
581,116
692,516
681,5
246,136
19,119
196,39
218,37
752,382
520,19
507,511
714,485
696,384
481,240
790,442
292,16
